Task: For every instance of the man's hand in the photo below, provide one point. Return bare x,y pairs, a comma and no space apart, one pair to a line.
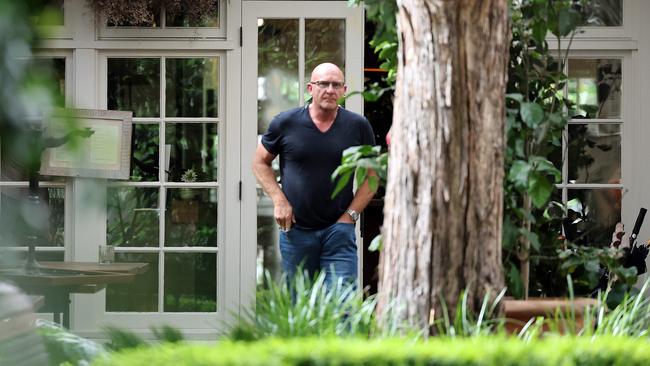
283,213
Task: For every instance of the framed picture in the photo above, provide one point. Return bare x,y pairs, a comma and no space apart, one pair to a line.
88,143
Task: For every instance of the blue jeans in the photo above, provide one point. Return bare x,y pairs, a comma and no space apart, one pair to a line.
332,250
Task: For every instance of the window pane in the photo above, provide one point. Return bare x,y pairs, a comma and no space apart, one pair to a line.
604,211
191,217
605,13
132,217
594,153
193,148
53,69
192,87
326,43
185,17
277,67
595,86
190,282
139,295
20,222
144,152
134,85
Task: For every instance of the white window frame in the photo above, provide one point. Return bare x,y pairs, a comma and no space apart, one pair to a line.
199,322
106,32
354,79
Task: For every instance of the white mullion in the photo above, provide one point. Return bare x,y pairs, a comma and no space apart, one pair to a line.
184,249
193,120
162,171
25,184
146,120
589,186
577,121
565,142
301,61
24,248
148,250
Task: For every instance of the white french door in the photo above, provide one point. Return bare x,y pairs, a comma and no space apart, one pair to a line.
282,42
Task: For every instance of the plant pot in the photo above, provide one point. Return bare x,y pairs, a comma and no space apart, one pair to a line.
520,312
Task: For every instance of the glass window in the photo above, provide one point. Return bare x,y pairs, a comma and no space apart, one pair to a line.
190,279
595,153
604,13
177,14
141,295
604,211
595,86
23,220
171,200
192,87
134,85
193,152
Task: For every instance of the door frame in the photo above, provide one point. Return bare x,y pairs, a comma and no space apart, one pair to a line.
354,44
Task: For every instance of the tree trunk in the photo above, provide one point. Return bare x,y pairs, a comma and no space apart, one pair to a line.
443,206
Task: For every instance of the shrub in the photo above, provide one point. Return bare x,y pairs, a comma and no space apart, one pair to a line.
439,351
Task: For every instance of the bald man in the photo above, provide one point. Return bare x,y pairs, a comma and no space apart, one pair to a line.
316,231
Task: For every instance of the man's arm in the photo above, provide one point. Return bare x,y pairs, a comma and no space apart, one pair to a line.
361,199
282,210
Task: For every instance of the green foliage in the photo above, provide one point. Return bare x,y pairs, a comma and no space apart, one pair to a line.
121,339
360,160
305,307
482,351
536,117
63,346
467,324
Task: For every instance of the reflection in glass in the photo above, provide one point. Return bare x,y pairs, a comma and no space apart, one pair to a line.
181,17
605,13
144,152
132,217
594,153
190,282
191,217
9,258
141,295
324,42
17,226
595,86
192,87
192,146
268,251
603,207
277,67
134,85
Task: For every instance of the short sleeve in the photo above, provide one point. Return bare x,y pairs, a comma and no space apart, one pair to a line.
272,139
367,134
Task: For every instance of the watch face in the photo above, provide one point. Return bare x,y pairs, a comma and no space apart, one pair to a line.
353,214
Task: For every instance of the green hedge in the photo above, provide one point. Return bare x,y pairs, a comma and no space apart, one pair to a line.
563,351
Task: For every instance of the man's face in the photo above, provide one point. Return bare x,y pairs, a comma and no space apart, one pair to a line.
326,87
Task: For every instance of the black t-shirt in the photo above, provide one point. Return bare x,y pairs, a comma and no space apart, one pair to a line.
308,157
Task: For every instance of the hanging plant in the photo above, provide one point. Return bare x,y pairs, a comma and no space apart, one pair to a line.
141,12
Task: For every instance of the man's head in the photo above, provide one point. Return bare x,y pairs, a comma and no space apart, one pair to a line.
326,86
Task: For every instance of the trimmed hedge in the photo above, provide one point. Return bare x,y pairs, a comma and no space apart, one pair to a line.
495,351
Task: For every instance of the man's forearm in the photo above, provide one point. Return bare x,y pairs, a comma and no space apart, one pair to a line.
362,197
266,178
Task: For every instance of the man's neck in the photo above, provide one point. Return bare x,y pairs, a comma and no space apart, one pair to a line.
321,116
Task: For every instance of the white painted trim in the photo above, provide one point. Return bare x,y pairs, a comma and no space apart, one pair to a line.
251,10
190,33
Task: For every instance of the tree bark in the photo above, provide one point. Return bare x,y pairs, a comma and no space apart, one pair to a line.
443,205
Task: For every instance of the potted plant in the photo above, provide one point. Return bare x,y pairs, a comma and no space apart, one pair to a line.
189,176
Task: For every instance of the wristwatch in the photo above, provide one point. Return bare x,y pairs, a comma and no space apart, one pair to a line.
353,214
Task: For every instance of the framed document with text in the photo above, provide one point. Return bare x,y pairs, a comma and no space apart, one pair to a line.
104,151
